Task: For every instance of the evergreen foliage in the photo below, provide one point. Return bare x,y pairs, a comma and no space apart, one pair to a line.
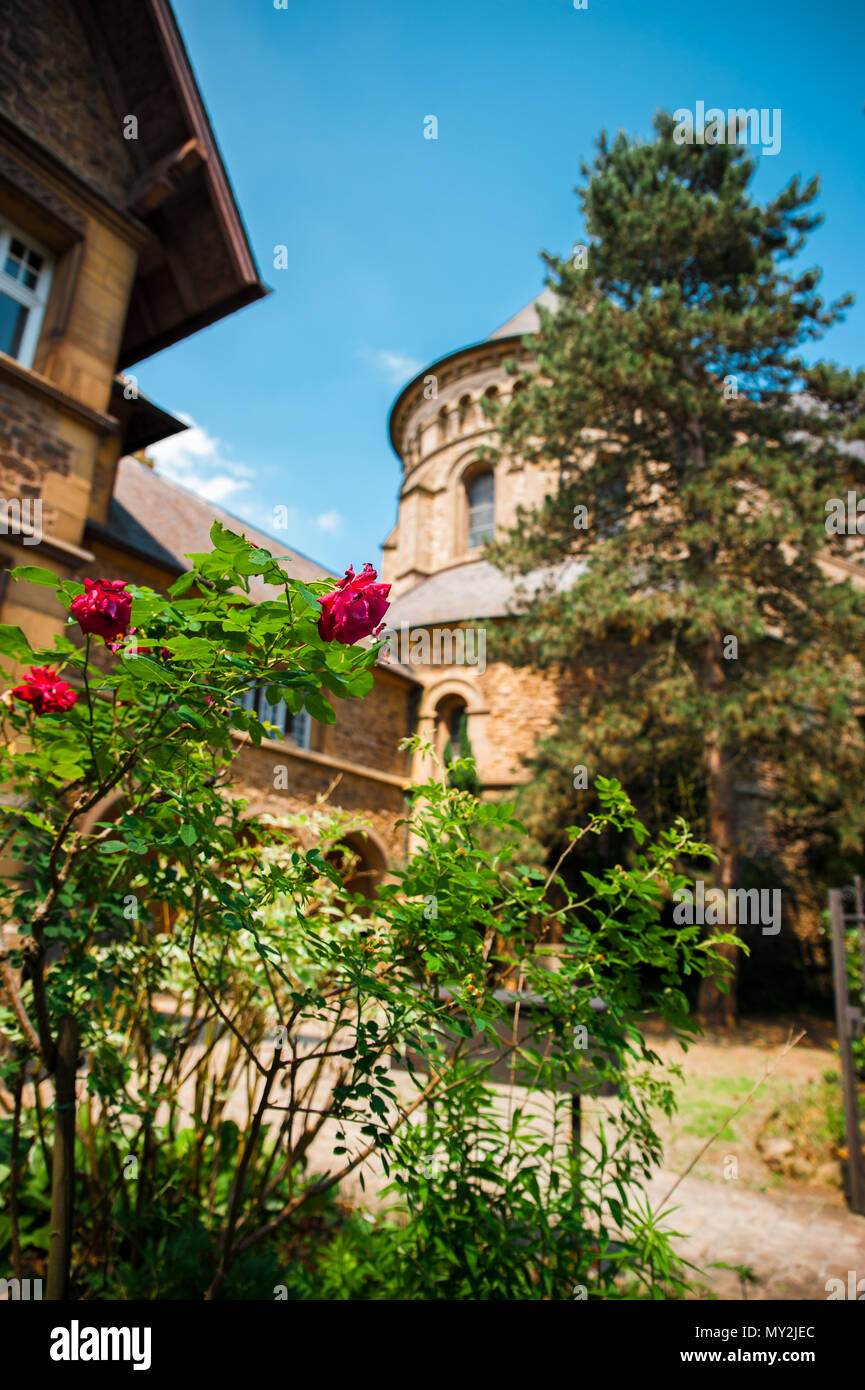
709,646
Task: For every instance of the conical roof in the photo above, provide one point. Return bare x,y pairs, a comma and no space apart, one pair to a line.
527,320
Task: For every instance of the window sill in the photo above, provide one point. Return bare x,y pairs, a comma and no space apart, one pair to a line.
40,385
326,760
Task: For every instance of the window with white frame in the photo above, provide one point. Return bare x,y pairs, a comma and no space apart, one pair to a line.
25,278
296,727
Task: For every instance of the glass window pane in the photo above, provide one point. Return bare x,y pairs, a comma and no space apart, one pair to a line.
481,489
301,725
13,321
22,264
31,274
273,714
14,258
480,492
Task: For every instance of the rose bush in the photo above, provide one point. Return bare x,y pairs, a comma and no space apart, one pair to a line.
157,948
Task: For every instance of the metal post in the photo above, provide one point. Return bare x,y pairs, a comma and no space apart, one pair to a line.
848,1070
577,1142
860,915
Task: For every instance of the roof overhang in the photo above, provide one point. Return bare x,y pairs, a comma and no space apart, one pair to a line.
198,265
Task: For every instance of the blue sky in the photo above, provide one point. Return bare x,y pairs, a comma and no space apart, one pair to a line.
401,249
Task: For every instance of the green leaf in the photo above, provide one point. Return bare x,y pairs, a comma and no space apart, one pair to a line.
32,574
143,669
229,542
181,585
318,707
13,642
144,606
188,834
190,648
308,596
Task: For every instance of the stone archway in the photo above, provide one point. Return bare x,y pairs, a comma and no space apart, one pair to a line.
439,701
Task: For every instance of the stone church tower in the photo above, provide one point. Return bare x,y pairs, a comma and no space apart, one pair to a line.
450,503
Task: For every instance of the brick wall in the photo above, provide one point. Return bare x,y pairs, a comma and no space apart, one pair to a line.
31,450
369,731
380,804
50,86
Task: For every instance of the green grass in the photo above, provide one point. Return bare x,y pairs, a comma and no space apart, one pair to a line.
707,1100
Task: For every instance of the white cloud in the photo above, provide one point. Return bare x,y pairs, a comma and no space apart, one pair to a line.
331,522
197,461
398,367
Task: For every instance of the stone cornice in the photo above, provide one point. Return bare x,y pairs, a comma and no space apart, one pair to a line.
501,349
47,545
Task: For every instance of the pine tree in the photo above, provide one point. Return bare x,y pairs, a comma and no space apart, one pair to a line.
697,454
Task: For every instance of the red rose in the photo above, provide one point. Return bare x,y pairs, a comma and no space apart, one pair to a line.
355,608
103,608
45,692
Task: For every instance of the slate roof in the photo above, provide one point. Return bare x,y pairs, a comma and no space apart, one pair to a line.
474,590
527,320
162,522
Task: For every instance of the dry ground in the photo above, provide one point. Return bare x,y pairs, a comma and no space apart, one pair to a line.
767,1195
766,1199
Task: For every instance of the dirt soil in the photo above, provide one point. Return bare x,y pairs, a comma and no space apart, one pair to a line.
766,1199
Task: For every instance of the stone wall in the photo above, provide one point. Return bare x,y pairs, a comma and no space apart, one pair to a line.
259,776
50,86
440,439
31,450
369,731
523,705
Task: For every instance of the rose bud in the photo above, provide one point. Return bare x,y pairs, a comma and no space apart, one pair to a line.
43,689
355,608
103,608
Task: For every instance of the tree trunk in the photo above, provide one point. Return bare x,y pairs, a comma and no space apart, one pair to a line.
716,1007
63,1163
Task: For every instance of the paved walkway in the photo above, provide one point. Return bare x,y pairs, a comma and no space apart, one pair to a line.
792,1242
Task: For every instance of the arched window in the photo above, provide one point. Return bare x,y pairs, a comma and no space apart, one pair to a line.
464,411
444,424
362,865
452,742
481,499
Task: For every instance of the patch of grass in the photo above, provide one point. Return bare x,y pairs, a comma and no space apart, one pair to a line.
707,1100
